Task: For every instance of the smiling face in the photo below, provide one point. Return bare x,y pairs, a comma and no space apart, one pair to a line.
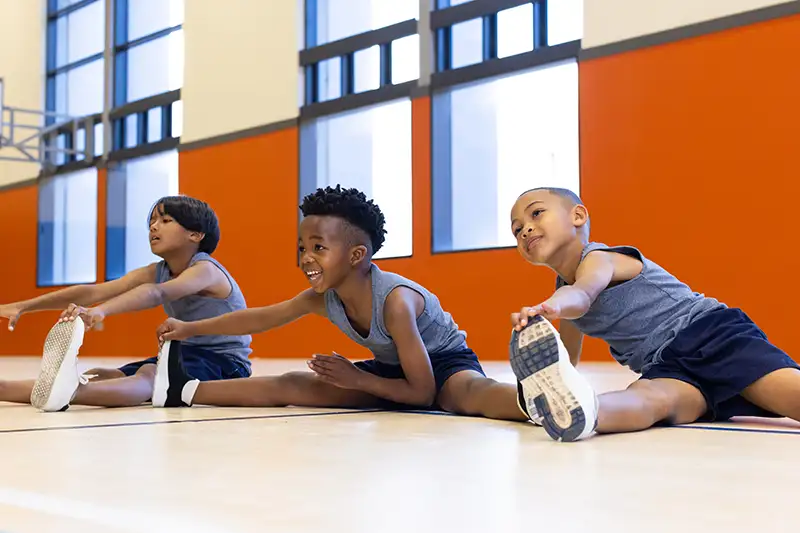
329,251
544,223
167,236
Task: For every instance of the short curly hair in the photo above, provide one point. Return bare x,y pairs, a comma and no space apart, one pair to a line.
352,206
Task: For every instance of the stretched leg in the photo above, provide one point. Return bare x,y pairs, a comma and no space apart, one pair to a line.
16,391
175,388
778,392
469,393
125,391
647,402
20,391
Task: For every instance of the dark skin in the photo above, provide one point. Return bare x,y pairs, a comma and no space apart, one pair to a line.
549,232
334,255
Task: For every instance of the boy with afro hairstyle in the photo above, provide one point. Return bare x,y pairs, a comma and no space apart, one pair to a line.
421,358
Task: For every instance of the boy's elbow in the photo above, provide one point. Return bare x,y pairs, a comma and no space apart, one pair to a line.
158,294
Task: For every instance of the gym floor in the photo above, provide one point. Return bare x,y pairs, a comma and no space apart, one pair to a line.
289,470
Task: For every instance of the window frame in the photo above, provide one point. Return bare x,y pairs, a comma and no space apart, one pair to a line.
113,117
436,79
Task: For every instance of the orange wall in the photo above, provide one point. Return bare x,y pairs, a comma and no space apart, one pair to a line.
259,223
687,152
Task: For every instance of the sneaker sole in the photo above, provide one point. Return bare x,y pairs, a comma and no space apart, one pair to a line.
563,398
61,346
161,383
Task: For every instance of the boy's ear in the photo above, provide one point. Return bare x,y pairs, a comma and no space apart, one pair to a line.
357,254
197,236
580,216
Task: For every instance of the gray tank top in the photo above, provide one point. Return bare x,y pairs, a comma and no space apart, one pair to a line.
640,317
439,332
195,307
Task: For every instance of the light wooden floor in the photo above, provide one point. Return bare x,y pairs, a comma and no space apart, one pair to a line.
287,470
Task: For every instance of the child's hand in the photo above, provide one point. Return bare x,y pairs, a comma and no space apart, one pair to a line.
91,317
548,310
173,330
336,370
12,313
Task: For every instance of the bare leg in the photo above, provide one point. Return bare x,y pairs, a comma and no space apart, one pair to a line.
294,388
20,391
778,392
16,391
127,391
469,393
647,402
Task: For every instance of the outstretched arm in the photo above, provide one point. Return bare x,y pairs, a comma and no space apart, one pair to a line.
84,295
573,301
246,321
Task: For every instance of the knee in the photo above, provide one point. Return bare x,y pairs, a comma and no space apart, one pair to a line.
671,406
147,372
466,399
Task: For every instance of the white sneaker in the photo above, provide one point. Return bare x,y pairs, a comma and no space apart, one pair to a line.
59,379
553,389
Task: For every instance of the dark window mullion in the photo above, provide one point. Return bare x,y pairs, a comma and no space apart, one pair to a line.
490,37
386,64
348,74
539,24
444,49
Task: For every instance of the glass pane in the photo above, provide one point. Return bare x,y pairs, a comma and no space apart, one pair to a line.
330,79
515,31
405,59
155,67
149,16
564,21
367,65
506,136
83,90
338,19
85,29
131,130
61,95
467,43
67,247
177,119
98,139
61,42
154,119
133,188
370,150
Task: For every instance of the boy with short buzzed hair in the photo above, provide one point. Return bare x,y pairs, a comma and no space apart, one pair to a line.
698,359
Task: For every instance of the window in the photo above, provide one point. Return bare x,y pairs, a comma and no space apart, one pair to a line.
75,44
155,67
495,139
133,188
369,149
149,49
67,250
337,19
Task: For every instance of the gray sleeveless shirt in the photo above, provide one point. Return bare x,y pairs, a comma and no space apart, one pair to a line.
640,317
439,332
196,307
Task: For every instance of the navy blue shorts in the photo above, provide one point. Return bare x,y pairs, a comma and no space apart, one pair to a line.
721,354
444,365
202,364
